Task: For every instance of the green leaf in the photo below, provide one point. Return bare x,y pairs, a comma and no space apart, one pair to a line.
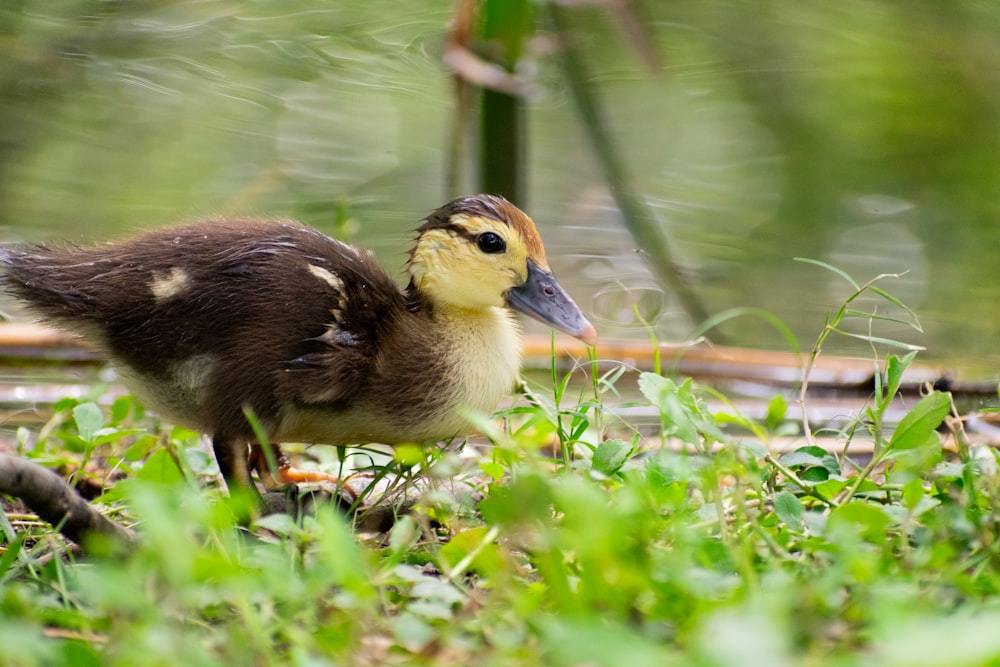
142,446
11,553
106,435
789,509
810,456
160,467
494,470
279,523
801,458
913,493
888,297
917,428
655,387
867,520
880,400
412,632
814,474
889,342
829,267
777,410
611,455
894,370
403,535
409,455
89,420
683,414
487,559
120,408
830,488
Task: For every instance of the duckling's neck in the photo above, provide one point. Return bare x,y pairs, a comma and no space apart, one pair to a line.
481,347
484,353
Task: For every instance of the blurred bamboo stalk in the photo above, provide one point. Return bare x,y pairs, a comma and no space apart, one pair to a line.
483,52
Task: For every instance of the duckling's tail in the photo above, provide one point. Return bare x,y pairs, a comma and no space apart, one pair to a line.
42,280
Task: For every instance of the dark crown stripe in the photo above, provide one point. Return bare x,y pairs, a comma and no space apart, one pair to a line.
482,206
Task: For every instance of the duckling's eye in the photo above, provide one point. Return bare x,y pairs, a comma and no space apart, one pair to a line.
491,243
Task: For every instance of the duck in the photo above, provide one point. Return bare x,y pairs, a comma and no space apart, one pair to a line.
213,320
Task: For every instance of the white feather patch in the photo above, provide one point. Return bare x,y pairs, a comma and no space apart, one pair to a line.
327,276
173,283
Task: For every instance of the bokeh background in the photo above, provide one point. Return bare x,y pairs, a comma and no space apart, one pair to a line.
862,133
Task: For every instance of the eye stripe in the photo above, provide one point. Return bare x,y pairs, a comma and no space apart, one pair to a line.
460,227
461,231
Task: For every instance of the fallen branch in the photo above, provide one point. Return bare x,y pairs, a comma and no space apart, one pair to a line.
52,499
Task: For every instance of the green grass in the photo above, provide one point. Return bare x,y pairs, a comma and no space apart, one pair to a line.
622,551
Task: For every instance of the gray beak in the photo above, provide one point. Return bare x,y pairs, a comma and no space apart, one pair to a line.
543,298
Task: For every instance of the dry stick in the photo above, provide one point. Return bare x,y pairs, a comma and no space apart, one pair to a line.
49,496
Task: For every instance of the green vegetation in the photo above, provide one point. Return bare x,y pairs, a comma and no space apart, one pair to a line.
694,545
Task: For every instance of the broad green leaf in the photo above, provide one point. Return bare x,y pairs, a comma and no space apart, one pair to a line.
110,434
120,409
611,455
279,523
815,474
913,492
753,448
409,455
655,387
403,535
200,462
868,520
159,467
142,446
801,458
815,450
830,488
917,428
777,410
412,632
494,470
89,420
789,509
487,557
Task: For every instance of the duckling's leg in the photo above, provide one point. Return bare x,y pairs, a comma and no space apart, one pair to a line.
265,470
234,464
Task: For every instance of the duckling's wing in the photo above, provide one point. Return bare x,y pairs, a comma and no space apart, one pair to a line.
349,306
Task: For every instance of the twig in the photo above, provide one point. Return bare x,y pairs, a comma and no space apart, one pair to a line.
49,496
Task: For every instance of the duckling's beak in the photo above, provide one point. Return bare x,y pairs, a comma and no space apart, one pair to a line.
542,297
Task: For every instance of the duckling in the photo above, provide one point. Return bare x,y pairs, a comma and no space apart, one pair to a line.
207,320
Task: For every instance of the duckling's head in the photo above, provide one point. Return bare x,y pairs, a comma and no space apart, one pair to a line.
483,252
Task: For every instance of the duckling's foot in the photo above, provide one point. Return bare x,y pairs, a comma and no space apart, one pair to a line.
284,474
289,475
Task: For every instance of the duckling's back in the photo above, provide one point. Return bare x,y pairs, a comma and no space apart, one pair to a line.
203,320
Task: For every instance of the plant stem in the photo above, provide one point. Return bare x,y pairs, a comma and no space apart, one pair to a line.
638,217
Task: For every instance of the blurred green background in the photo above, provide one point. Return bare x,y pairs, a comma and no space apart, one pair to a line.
862,133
